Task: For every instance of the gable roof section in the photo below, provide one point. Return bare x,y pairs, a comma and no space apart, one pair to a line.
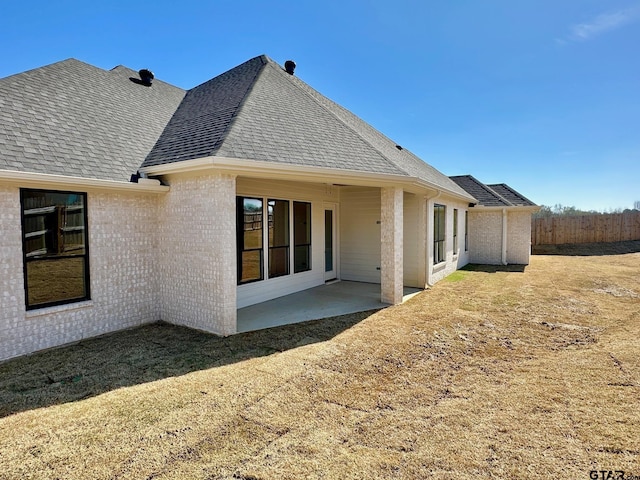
71,118
508,193
269,115
497,195
203,118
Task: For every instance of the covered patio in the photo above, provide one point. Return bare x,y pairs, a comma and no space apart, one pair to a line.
329,300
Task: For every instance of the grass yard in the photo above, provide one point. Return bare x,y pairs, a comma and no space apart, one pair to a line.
497,373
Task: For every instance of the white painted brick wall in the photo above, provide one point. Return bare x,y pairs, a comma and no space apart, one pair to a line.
519,237
454,260
391,250
122,241
11,280
197,253
485,237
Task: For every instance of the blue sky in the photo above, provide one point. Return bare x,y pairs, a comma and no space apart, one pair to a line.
543,95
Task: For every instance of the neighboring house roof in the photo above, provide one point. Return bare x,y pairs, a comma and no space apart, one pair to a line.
497,195
70,118
257,111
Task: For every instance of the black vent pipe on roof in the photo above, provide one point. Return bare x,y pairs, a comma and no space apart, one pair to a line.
290,66
146,77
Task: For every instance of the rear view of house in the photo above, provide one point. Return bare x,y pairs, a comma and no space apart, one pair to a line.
126,200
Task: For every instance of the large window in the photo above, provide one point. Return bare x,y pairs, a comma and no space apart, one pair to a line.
250,252
278,238
55,247
302,236
283,229
439,213
455,231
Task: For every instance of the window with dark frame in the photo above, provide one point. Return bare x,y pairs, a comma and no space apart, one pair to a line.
301,236
282,228
278,211
466,231
438,233
455,231
55,247
249,213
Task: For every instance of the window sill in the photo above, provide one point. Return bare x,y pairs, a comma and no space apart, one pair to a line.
58,309
439,266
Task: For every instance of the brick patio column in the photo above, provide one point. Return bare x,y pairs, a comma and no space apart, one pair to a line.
198,253
391,251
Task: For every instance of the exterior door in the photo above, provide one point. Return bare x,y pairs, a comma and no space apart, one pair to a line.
330,244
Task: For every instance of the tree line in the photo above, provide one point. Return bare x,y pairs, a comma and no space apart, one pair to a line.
559,210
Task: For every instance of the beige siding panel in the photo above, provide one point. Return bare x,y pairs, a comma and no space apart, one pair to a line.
287,190
265,290
360,234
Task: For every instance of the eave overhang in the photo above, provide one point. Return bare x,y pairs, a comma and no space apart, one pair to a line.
303,173
43,180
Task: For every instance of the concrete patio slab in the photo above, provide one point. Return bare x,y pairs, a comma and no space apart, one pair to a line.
330,300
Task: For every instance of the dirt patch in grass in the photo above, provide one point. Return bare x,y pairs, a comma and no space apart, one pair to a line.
499,374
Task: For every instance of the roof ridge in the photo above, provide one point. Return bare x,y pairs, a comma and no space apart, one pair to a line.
352,130
486,188
508,202
241,104
516,193
49,65
184,135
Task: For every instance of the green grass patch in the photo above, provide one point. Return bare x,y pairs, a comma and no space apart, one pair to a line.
456,276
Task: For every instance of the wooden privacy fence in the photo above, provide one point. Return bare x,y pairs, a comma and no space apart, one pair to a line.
613,227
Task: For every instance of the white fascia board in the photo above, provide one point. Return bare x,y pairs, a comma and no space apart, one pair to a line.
262,169
512,208
287,171
45,180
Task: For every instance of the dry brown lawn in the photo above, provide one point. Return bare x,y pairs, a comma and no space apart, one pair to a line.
494,373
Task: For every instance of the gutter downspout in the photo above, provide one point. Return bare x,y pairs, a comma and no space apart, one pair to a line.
430,255
504,236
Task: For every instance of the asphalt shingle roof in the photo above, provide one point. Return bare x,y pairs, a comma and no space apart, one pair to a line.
508,193
257,111
71,118
497,195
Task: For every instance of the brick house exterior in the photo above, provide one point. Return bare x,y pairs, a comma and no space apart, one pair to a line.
125,202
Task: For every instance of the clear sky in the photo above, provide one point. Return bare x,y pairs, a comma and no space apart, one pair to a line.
541,94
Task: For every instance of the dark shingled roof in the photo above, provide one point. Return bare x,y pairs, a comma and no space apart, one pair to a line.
508,193
71,118
257,111
498,195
